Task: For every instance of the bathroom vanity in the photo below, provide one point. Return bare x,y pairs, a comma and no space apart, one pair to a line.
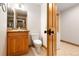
18,42
17,33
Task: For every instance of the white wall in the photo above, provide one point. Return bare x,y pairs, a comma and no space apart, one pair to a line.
58,35
33,17
44,23
3,29
70,25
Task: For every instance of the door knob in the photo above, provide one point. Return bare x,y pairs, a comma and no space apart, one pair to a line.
45,31
49,32
52,32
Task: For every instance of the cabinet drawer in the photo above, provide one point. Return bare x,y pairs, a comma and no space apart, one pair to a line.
18,34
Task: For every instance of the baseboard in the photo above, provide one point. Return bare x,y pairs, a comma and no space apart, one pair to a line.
44,46
69,43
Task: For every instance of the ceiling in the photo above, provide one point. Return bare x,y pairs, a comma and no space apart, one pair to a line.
64,6
61,6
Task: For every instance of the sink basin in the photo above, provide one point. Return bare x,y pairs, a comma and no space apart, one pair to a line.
19,30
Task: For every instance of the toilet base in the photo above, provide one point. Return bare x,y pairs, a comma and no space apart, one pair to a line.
38,49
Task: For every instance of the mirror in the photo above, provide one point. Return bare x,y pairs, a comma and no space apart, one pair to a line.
19,21
10,18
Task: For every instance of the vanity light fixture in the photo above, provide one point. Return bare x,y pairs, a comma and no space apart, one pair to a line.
19,6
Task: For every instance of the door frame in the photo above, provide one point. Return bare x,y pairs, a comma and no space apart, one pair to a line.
54,51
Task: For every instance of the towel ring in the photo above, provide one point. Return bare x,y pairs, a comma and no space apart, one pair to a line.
3,6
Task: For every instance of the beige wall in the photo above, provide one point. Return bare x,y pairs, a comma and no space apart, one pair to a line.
70,25
34,17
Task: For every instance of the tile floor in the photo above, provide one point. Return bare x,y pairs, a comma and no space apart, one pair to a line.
68,50
33,52
65,50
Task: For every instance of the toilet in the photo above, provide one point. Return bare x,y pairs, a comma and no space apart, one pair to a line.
37,42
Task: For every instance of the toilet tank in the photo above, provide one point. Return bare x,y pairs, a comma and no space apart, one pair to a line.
35,36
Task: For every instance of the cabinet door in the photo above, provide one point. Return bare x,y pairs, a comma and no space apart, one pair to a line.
19,45
11,45
25,44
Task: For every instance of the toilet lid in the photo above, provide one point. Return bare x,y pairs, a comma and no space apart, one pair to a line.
37,41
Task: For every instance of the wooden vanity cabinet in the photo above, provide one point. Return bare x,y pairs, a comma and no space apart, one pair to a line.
18,43
17,39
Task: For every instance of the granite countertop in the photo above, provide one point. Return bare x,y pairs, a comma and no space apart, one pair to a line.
18,30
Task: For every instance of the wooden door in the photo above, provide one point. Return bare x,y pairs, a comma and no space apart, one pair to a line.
51,29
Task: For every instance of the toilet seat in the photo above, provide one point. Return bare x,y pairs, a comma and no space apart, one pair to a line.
36,41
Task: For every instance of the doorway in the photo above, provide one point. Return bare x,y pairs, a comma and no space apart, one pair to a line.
68,22
24,30
23,20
